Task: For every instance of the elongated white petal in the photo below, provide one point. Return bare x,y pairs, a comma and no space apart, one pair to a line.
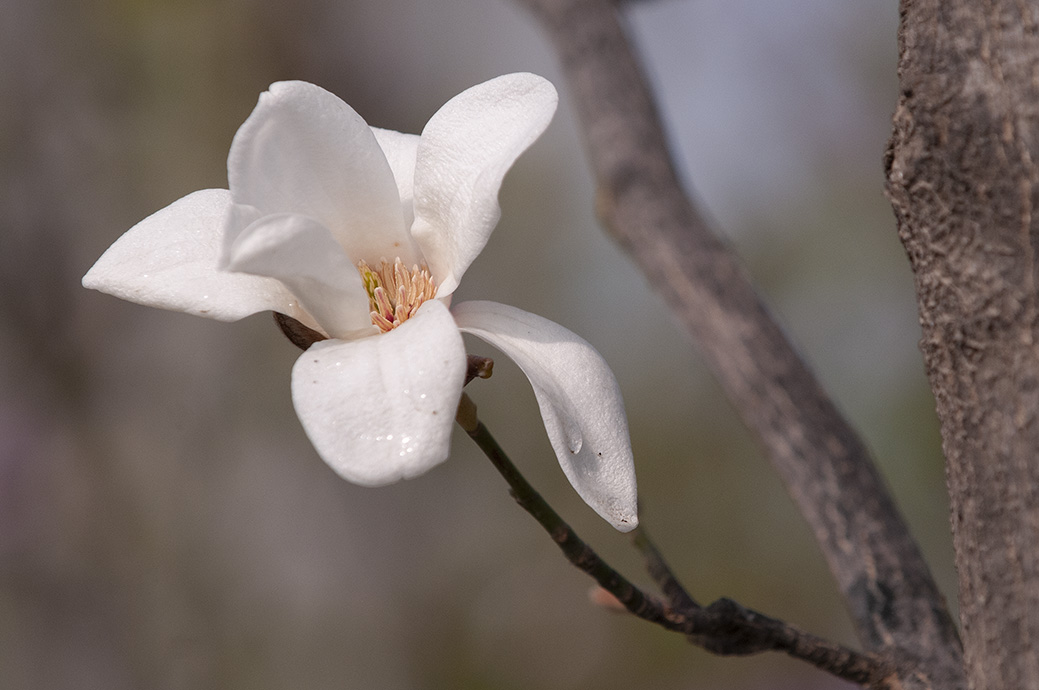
382,408
579,399
304,151
170,260
465,150
301,253
400,150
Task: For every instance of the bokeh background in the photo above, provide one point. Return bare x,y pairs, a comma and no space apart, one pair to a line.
164,522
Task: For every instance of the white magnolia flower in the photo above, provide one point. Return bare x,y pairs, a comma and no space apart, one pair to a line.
362,234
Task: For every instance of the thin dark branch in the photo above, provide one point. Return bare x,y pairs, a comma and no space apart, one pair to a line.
724,627
879,569
660,571
576,551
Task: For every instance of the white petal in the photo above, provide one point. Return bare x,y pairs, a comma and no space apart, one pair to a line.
170,260
301,253
382,408
400,150
579,399
238,218
304,151
465,150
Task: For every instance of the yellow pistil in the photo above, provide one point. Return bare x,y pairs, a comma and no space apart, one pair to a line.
394,292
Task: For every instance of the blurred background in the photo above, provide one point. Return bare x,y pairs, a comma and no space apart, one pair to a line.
164,523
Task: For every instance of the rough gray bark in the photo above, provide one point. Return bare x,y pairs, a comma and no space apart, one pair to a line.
963,182
894,603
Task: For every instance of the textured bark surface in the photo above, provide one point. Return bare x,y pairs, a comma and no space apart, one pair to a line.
893,600
962,179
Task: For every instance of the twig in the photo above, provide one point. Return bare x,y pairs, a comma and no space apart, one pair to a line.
879,569
724,627
660,571
575,550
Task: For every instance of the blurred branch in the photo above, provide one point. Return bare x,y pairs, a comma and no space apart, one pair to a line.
880,571
724,627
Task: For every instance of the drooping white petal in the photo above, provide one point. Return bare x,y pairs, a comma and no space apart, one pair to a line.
301,253
400,150
170,260
579,400
381,409
464,152
305,151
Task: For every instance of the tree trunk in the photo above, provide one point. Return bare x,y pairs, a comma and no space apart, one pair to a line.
962,177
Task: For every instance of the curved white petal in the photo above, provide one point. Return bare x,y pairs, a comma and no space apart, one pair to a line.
170,260
304,151
301,253
239,217
579,399
464,152
382,408
400,152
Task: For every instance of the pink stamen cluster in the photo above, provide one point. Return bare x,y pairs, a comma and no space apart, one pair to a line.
394,292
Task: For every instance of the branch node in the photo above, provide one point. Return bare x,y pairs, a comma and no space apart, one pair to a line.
477,367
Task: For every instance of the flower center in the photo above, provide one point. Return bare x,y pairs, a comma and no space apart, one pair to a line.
394,292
